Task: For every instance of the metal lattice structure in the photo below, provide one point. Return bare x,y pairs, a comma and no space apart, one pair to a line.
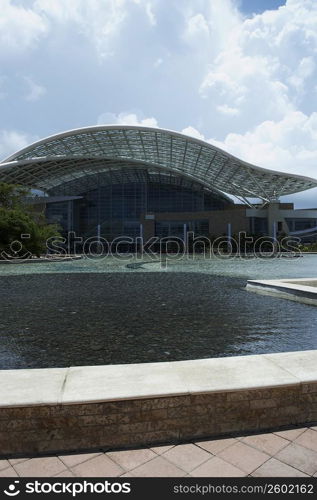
71,156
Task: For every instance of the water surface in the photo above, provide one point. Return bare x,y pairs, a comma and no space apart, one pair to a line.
83,318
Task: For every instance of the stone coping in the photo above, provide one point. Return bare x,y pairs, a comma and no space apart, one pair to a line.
300,290
93,384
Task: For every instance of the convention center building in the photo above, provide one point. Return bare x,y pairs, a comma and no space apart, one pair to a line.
123,180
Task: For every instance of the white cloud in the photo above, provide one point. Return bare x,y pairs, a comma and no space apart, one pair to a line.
305,69
12,141
197,28
20,28
265,78
100,22
287,145
35,91
268,66
125,118
193,132
150,13
226,110
199,66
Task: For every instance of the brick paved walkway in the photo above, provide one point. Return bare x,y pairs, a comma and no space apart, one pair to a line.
290,453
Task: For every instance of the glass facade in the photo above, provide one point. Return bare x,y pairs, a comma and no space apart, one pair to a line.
118,206
258,225
59,213
176,228
301,224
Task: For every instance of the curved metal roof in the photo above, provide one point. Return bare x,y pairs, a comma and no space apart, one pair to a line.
67,156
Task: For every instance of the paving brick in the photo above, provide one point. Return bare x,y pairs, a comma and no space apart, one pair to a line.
158,467
40,467
308,439
130,459
101,466
9,472
216,467
244,457
161,449
268,443
299,457
290,434
187,456
4,464
215,446
77,458
275,468
65,473
15,461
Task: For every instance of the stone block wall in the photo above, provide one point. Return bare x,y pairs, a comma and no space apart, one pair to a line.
138,422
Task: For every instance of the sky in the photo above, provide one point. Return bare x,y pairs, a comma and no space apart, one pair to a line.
240,74
249,7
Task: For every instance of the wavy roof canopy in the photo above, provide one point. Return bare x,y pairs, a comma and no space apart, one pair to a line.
71,155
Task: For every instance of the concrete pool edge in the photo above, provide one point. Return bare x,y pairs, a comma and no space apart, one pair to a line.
41,260
291,289
115,406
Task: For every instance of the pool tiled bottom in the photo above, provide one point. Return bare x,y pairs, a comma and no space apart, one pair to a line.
286,453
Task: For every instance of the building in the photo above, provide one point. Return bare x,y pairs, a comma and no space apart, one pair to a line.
125,180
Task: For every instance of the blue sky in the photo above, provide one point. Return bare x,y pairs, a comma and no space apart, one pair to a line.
238,73
258,6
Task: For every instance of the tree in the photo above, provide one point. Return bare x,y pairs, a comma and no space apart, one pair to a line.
23,231
12,196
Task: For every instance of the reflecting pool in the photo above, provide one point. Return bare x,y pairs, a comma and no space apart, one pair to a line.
101,311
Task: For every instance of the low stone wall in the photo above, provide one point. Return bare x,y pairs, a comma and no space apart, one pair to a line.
152,421
65,418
